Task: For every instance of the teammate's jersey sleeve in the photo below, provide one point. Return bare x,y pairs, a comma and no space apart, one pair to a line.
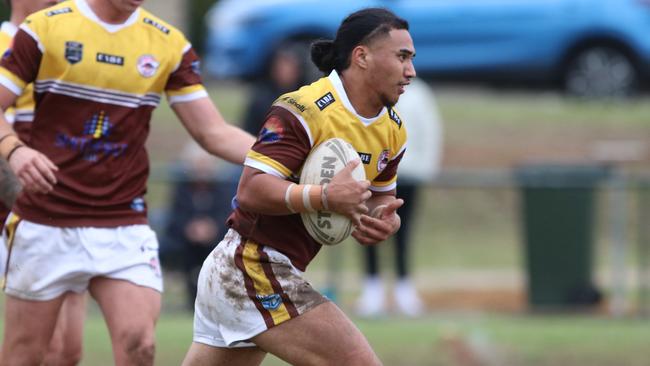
282,145
19,65
184,83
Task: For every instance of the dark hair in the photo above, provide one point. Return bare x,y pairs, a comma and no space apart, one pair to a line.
7,3
360,27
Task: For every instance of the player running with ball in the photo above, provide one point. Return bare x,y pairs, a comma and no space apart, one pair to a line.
252,297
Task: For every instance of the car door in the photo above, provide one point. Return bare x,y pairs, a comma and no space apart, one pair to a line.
468,36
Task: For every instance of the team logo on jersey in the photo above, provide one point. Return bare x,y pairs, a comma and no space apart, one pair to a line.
325,101
271,132
73,52
393,115
109,59
157,25
270,302
92,144
383,160
137,204
54,12
147,65
365,158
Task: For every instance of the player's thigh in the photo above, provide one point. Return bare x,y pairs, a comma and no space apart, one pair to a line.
201,354
28,325
321,336
128,309
69,325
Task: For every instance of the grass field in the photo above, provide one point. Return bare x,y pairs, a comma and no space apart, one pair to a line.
465,238
449,339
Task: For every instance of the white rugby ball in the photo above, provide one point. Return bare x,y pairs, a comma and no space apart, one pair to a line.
323,162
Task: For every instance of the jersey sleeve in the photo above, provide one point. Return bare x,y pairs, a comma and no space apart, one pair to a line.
20,63
184,83
282,145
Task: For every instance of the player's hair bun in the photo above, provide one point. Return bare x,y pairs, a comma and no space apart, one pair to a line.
323,55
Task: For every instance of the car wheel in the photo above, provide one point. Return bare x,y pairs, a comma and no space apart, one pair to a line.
601,72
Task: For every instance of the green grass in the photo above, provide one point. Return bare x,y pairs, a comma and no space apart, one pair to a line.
444,339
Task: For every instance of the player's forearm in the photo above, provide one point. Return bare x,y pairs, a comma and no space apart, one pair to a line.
270,195
206,125
230,143
9,186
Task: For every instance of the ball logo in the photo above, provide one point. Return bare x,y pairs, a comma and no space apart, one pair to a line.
147,65
383,160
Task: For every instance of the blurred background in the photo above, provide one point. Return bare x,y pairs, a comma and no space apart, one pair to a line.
529,246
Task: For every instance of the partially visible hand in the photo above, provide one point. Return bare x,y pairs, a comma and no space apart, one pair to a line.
383,222
33,169
347,196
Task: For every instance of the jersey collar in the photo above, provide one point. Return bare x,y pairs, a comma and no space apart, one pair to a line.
86,10
9,28
340,90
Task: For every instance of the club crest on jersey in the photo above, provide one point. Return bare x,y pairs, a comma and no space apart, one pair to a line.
325,101
270,302
383,160
73,52
271,132
147,65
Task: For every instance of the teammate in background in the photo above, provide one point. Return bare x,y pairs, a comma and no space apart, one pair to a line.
418,168
252,296
99,68
65,347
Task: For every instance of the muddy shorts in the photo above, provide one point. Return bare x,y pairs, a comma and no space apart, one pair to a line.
246,288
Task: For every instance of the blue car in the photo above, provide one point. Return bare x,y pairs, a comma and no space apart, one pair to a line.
587,47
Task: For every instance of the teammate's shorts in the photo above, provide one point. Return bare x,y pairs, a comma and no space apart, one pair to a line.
246,288
47,261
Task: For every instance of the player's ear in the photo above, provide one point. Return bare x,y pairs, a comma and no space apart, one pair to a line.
360,55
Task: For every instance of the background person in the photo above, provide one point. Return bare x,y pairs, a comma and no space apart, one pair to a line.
200,205
284,75
418,168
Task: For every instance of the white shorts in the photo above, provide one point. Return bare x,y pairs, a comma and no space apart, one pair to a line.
246,288
46,261
3,260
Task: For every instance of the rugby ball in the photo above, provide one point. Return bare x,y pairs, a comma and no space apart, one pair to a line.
325,161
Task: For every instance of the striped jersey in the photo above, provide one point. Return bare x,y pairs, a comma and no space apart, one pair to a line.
295,124
96,85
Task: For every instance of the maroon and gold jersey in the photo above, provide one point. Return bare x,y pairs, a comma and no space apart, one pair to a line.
96,85
296,123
